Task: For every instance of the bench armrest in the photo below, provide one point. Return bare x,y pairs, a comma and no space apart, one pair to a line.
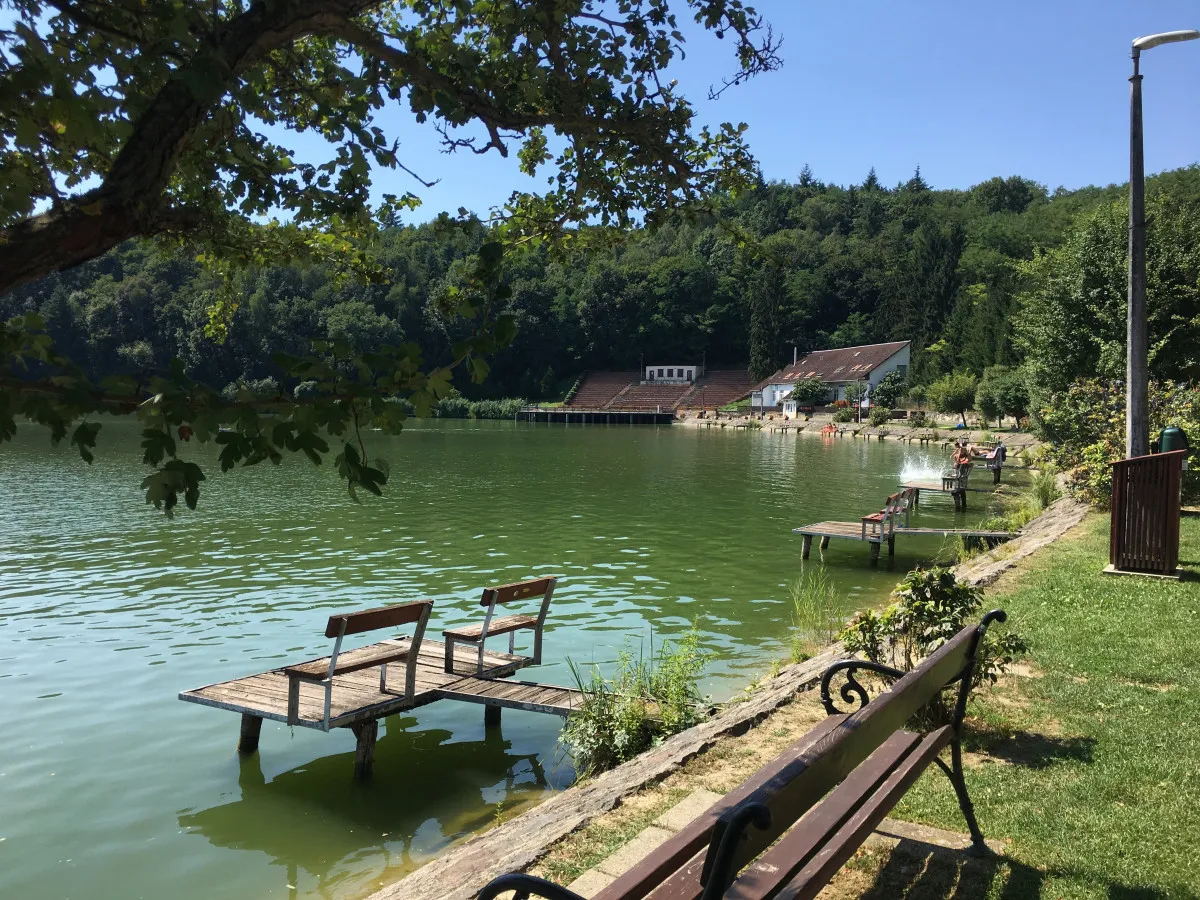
852,690
523,885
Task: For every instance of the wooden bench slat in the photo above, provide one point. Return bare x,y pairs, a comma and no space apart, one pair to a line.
801,864
373,619
350,661
507,593
501,625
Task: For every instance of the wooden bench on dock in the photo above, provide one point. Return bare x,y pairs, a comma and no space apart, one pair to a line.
897,505
350,689
477,635
788,829
993,460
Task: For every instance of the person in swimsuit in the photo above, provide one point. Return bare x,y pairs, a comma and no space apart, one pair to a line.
961,457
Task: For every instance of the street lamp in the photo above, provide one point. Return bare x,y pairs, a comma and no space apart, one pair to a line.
1137,418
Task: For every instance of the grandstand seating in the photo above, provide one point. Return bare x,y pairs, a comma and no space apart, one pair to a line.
622,390
649,397
718,387
600,387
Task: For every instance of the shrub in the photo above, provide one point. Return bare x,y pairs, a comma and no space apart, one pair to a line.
809,391
880,415
1043,487
506,408
454,406
643,702
574,389
917,419
929,607
251,389
843,415
1085,428
889,390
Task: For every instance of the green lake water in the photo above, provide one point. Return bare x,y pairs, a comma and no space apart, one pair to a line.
110,787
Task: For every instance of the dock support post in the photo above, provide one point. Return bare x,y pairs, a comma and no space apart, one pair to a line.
364,754
806,547
824,541
892,545
491,716
916,497
251,729
874,552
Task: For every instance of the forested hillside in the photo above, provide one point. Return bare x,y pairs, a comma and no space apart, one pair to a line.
974,278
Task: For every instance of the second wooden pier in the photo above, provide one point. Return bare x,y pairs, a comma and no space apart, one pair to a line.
852,531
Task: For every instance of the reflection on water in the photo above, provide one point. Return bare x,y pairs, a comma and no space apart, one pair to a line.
107,611
430,789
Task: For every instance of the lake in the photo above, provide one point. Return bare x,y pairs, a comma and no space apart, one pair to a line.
112,788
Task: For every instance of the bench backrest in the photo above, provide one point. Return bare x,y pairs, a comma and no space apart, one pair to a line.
522,590
803,782
372,619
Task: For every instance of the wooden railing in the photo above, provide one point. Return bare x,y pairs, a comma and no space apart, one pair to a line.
1145,513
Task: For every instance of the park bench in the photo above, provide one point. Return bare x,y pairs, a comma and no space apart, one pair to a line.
896,505
491,626
322,671
788,829
956,479
994,461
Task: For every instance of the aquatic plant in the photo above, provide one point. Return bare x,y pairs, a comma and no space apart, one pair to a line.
816,613
645,700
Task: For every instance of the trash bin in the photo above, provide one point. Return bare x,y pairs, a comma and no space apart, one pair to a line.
1172,438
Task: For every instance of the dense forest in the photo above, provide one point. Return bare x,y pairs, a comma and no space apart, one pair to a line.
1005,273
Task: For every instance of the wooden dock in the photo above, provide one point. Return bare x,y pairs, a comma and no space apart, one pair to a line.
569,415
356,695
853,531
356,701
936,487
356,688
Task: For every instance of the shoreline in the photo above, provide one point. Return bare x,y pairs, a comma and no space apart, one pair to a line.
524,841
899,430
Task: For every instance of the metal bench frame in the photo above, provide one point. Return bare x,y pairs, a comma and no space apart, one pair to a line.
492,596
339,626
897,503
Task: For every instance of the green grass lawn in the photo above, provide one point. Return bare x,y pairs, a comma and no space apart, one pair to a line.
1089,767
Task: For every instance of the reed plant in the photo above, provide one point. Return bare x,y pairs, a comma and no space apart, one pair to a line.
816,613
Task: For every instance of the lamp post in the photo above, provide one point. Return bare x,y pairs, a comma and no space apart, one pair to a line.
1137,418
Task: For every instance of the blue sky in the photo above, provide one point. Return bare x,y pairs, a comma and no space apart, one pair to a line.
966,90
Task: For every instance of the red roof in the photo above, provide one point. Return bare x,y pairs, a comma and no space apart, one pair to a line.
846,364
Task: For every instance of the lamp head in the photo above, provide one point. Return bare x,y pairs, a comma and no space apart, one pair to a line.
1151,41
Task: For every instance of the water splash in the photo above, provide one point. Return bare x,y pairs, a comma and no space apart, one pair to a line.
923,466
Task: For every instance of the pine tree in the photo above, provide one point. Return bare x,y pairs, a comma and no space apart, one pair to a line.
765,286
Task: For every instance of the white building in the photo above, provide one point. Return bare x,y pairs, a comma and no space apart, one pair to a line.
670,374
838,369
